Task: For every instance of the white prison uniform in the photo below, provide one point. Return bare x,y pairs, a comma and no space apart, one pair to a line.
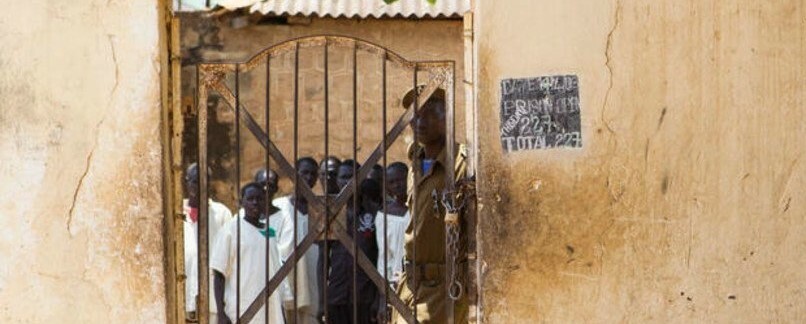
224,259
307,284
275,222
217,216
394,242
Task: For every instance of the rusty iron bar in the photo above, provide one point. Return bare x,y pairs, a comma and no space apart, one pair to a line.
383,189
353,228
202,237
450,132
450,185
267,166
172,169
238,190
294,253
326,254
415,268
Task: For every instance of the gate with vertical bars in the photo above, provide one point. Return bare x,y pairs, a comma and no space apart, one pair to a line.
225,81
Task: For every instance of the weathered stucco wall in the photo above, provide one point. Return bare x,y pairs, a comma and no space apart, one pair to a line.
686,203
80,206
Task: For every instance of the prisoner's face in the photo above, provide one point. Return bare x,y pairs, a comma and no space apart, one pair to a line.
308,173
327,176
396,182
345,175
253,201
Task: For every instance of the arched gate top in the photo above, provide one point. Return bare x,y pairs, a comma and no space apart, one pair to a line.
291,45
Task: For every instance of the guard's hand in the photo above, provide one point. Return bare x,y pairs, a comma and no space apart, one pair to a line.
223,319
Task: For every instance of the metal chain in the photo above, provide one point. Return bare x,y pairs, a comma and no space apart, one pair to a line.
453,206
455,288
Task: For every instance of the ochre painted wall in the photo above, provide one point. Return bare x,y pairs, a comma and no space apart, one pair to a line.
686,203
80,207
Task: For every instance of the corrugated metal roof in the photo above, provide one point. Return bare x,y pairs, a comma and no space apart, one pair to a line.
352,8
190,5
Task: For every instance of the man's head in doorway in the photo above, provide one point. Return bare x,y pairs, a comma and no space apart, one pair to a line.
327,174
346,172
268,179
192,184
253,200
429,122
307,170
396,176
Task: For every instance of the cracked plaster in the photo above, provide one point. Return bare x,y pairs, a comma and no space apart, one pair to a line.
79,132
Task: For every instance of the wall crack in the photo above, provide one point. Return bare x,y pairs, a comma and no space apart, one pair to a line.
78,189
608,62
110,38
88,162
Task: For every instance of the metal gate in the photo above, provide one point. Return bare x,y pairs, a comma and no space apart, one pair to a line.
212,78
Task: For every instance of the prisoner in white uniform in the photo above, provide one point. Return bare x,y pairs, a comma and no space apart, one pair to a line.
398,217
391,258
307,283
217,216
251,277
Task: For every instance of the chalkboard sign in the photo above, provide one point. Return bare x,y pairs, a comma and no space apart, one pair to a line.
539,113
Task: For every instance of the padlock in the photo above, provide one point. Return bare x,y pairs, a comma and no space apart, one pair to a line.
452,218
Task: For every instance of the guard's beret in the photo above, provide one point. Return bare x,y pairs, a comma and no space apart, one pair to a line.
408,98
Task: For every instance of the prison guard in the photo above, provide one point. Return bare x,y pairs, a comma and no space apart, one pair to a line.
429,259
